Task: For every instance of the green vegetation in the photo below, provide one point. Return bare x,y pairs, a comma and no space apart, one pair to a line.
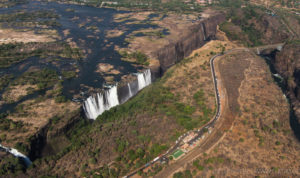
43,78
177,6
139,57
230,3
294,42
213,160
11,166
60,99
157,33
289,3
133,148
11,3
22,17
7,124
157,98
24,148
68,74
241,27
185,174
196,164
4,81
15,52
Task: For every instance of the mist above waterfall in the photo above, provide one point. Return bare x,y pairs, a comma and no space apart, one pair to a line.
96,104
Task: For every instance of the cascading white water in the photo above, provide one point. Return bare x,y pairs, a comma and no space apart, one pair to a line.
16,153
112,97
144,79
278,76
96,105
203,31
129,91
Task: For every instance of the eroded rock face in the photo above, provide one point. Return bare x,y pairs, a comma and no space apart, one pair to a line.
195,38
287,63
271,30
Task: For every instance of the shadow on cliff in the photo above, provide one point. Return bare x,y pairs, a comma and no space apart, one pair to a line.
295,125
269,58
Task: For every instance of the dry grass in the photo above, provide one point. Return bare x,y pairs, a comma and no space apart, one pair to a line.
196,73
132,16
14,93
114,33
39,113
35,115
260,142
104,68
12,36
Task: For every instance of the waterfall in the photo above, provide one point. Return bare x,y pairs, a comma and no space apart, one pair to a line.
16,153
96,105
278,76
203,32
129,91
144,79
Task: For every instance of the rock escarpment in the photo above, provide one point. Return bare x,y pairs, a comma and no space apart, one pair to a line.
271,30
287,63
168,55
193,39
51,139
195,36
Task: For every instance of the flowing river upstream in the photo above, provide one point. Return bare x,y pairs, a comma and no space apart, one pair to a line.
78,24
87,27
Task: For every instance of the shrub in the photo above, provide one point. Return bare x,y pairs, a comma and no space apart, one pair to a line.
60,99
92,161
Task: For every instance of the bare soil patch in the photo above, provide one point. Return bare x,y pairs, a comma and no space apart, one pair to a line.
232,68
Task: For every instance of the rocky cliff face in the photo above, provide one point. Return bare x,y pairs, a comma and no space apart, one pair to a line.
195,38
271,30
287,63
172,53
52,137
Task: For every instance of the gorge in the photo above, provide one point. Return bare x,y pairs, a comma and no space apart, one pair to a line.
168,55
